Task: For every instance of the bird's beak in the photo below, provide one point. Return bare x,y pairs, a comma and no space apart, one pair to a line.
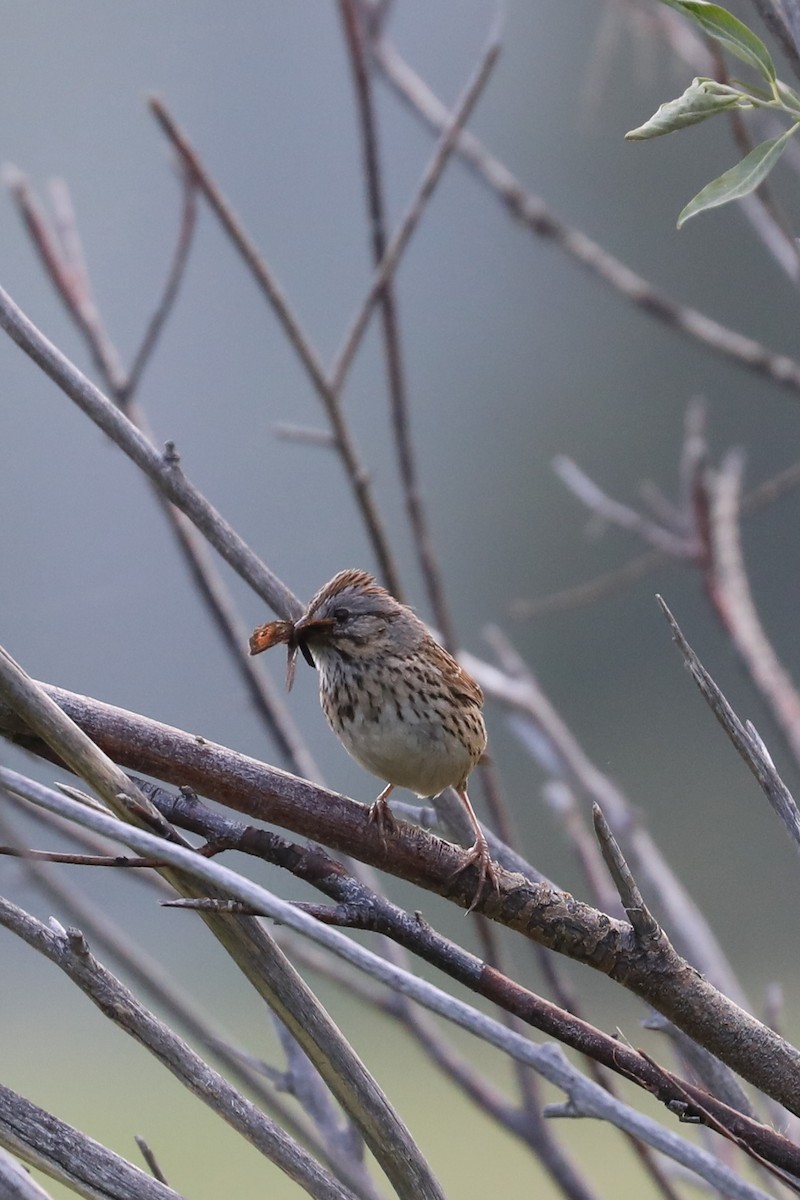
308,626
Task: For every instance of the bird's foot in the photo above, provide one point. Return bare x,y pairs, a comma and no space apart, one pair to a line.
381,815
478,856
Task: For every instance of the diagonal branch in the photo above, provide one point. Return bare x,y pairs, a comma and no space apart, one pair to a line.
352,22
533,213
66,1154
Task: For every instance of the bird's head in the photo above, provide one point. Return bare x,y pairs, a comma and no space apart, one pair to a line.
351,616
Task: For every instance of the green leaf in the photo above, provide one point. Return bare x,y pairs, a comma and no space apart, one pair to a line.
740,180
718,23
703,98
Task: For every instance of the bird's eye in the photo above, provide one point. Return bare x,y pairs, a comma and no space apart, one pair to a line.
341,615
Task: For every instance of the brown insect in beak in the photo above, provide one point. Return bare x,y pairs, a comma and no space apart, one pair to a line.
275,633
278,633
290,634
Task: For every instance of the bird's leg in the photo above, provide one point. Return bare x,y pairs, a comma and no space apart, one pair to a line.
381,815
478,854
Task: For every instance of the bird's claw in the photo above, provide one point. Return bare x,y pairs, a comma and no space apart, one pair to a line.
478,856
381,816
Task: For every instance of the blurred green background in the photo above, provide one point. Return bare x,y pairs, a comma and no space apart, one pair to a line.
513,355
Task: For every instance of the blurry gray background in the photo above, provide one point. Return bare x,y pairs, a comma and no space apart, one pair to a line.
513,355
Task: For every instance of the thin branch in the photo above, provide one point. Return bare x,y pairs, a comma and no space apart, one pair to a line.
618,579
272,290
783,22
743,736
16,1182
352,19
149,1157
531,211
622,515
582,595
644,924
517,687
172,283
69,1156
162,469
329,388
729,591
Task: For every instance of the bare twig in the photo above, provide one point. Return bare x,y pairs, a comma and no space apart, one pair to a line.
169,294
162,469
655,973
744,736
329,388
600,504
352,20
729,591
150,1158
517,687
265,278
451,129
643,922
620,578
532,212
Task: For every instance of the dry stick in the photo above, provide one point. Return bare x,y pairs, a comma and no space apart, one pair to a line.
329,388
552,918
667,541
68,950
729,590
16,1182
784,24
356,472
66,1154
616,580
539,1132
534,214
395,373
643,922
566,997
517,686
159,984
148,1154
251,948
68,273
547,1060
475,1085
169,294
451,131
162,469
744,736
326,1143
